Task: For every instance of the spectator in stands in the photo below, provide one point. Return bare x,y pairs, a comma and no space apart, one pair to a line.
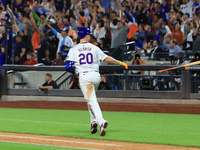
179,17
58,18
119,26
35,33
113,16
196,38
71,33
168,40
168,31
46,6
3,22
125,12
140,11
156,51
196,57
59,60
155,23
186,24
189,38
59,4
147,49
174,49
67,5
2,56
100,16
160,32
66,19
37,8
20,19
176,33
17,60
27,37
165,7
43,51
52,22
26,10
156,9
185,28
2,15
64,40
49,83
84,8
100,31
104,84
99,7
74,83
139,37
149,33
103,44
105,4
41,20
73,23
93,40
18,5
137,61
119,34
30,60
19,48
52,38
186,7
181,60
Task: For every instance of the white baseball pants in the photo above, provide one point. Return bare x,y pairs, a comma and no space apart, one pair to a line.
89,83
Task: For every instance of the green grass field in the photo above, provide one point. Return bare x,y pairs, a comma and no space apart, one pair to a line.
19,146
155,128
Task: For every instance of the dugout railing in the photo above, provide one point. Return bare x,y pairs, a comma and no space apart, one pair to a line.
183,93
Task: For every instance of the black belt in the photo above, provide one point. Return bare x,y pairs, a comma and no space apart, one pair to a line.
88,71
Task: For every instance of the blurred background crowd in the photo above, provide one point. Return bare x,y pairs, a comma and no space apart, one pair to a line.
43,31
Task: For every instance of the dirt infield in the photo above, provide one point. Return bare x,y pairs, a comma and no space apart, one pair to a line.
129,107
83,143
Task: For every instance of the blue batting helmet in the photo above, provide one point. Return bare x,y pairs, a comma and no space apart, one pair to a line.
83,32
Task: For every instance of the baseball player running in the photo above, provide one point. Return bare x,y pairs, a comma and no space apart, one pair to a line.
86,59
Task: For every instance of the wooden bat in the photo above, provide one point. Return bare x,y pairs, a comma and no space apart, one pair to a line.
186,65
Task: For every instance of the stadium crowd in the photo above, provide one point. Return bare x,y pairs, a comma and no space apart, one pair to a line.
43,31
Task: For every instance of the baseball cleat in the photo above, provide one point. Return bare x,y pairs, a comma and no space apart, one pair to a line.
93,127
105,124
102,128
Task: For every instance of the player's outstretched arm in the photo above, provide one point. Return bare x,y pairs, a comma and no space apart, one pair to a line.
113,61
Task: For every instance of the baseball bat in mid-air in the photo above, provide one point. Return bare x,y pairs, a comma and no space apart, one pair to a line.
186,65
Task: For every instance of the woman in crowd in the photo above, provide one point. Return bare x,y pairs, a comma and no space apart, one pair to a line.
176,32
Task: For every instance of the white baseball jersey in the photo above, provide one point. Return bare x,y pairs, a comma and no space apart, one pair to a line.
187,8
86,57
64,41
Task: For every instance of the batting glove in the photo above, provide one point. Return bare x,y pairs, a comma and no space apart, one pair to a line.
123,64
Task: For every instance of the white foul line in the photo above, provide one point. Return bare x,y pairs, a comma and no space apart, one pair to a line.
46,145
67,141
45,122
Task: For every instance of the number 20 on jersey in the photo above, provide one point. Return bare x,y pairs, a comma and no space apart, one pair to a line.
85,58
